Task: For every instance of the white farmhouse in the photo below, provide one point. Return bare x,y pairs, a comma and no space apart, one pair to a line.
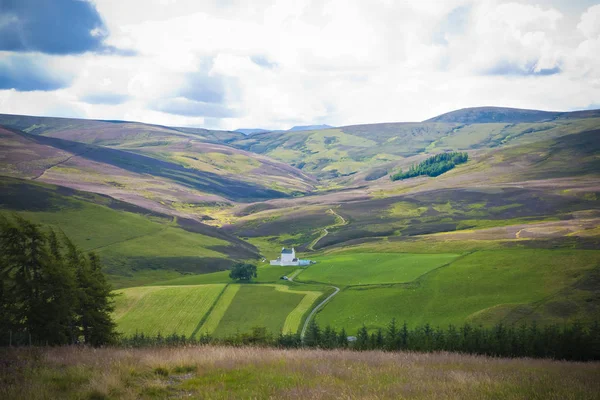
288,258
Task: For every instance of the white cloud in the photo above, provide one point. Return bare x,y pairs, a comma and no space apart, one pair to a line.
276,63
590,22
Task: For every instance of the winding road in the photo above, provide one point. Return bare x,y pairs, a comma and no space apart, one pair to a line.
312,313
314,310
325,231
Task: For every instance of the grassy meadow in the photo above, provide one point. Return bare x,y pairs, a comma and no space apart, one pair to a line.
372,268
477,286
164,309
260,306
252,373
481,287
219,309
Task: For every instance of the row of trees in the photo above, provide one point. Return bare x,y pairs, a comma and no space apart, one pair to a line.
574,342
50,291
433,166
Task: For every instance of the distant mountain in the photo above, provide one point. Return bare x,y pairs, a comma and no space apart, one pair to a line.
251,131
482,115
309,128
297,128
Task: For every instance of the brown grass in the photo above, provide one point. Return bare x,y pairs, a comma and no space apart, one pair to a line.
238,373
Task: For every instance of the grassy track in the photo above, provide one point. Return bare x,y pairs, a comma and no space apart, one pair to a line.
339,221
163,309
372,268
258,306
486,287
219,310
294,318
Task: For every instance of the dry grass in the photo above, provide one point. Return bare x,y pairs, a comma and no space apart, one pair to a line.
256,373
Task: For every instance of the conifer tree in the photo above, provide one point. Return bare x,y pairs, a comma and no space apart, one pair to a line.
362,339
391,335
49,291
313,335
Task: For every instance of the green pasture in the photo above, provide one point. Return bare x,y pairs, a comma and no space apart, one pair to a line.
258,306
372,268
223,303
265,274
164,309
482,287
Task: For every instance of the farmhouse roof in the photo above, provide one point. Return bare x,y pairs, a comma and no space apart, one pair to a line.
286,251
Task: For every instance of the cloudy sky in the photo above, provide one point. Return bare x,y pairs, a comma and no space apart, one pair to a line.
231,64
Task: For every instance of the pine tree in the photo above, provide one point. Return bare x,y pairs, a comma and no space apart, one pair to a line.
342,340
404,336
313,334
41,286
391,336
99,328
362,338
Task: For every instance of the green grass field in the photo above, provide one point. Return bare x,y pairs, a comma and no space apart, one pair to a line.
294,319
183,309
215,316
164,309
265,274
258,306
371,268
472,288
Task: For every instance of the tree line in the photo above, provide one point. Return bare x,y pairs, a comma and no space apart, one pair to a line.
433,166
51,293
567,342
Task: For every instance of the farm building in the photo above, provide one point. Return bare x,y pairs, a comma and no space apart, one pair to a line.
288,258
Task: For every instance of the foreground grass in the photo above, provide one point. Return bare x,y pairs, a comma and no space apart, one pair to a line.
257,373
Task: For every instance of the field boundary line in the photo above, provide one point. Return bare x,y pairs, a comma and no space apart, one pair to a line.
228,287
208,312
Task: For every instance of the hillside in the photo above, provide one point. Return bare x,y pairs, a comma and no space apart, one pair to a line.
136,245
484,115
162,169
509,236
369,151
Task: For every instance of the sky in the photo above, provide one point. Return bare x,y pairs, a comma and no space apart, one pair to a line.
229,64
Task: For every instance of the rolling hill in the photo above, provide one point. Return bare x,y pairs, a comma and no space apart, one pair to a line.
136,245
510,236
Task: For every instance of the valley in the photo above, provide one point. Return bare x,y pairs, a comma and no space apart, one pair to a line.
510,236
